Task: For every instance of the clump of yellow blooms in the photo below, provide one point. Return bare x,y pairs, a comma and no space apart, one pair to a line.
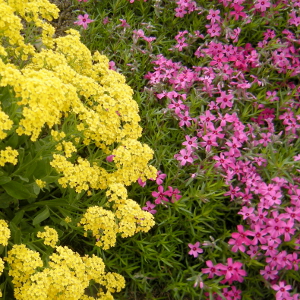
128,218
66,277
8,155
58,85
4,233
50,236
40,183
102,224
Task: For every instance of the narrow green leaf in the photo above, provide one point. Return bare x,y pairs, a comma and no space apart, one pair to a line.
17,190
43,215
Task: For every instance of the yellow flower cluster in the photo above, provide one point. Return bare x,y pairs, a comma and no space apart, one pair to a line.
40,183
5,124
67,276
102,224
23,263
4,233
63,79
50,236
8,156
127,219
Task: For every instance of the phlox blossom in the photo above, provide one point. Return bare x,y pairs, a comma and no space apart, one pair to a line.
149,207
195,250
83,20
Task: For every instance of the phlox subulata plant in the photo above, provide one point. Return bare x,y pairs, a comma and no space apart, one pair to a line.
220,97
69,150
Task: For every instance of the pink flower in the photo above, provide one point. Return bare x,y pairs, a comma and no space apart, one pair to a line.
211,270
105,21
184,157
262,5
213,16
124,23
83,21
224,99
160,177
83,0
141,182
149,207
282,290
269,273
110,158
195,250
160,195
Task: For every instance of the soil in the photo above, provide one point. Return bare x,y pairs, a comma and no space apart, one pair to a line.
66,17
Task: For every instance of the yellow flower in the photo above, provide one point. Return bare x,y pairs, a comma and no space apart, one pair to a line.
50,236
4,233
40,183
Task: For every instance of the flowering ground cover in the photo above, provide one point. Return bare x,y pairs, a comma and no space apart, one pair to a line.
178,179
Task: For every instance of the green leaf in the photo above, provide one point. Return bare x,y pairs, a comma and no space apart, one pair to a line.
18,217
15,233
4,179
43,215
5,200
17,190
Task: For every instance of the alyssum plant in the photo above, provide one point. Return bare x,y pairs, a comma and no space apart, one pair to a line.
69,145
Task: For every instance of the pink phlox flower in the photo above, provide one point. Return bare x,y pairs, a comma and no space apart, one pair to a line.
268,189
83,20
160,177
288,230
246,212
269,34
110,158
177,106
181,44
149,208
211,270
292,213
273,199
270,248
215,131
213,30
225,100
195,250
282,290
275,227
105,20
233,271
237,11
112,65
269,273
141,182
184,157
174,194
185,119
160,195
191,142
239,239
262,5
83,0
253,251
213,16
258,235
265,140
209,141
124,23
233,192
222,160
218,60
295,198
207,118
293,258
